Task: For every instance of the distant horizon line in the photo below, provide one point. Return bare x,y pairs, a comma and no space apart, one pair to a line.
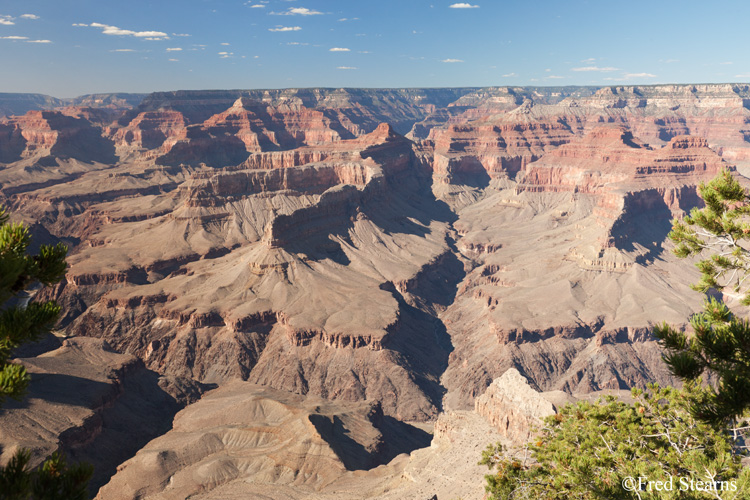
378,88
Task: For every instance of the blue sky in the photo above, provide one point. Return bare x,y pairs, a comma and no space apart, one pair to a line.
72,47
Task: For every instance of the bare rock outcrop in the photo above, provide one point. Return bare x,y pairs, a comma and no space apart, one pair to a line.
513,407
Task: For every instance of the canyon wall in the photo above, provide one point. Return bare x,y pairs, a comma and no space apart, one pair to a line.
396,248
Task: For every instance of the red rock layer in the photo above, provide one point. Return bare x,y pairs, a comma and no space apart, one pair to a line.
500,147
610,158
150,129
57,134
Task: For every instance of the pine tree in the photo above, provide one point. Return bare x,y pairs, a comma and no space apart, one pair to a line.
720,343
610,449
721,229
20,323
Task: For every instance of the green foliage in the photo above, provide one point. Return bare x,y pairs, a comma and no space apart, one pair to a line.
720,344
588,450
720,229
18,272
54,480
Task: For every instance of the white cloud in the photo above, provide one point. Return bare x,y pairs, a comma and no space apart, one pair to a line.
726,63
6,20
339,49
225,55
123,50
181,34
29,16
594,68
298,11
452,60
285,28
463,6
257,6
174,60
747,75
38,41
554,77
223,43
114,30
14,37
639,75
590,60
80,24
174,49
346,67
509,75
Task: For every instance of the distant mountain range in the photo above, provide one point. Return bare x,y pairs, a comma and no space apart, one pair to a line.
19,104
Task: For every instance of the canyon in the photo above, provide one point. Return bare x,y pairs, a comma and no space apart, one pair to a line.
284,293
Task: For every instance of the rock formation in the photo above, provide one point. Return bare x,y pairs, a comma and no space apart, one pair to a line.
297,241
513,407
244,440
93,404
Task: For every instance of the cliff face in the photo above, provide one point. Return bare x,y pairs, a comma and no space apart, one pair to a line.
322,231
54,134
294,240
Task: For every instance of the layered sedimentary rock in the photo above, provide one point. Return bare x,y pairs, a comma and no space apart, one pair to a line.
293,240
149,129
233,236
505,129
598,210
358,110
52,133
